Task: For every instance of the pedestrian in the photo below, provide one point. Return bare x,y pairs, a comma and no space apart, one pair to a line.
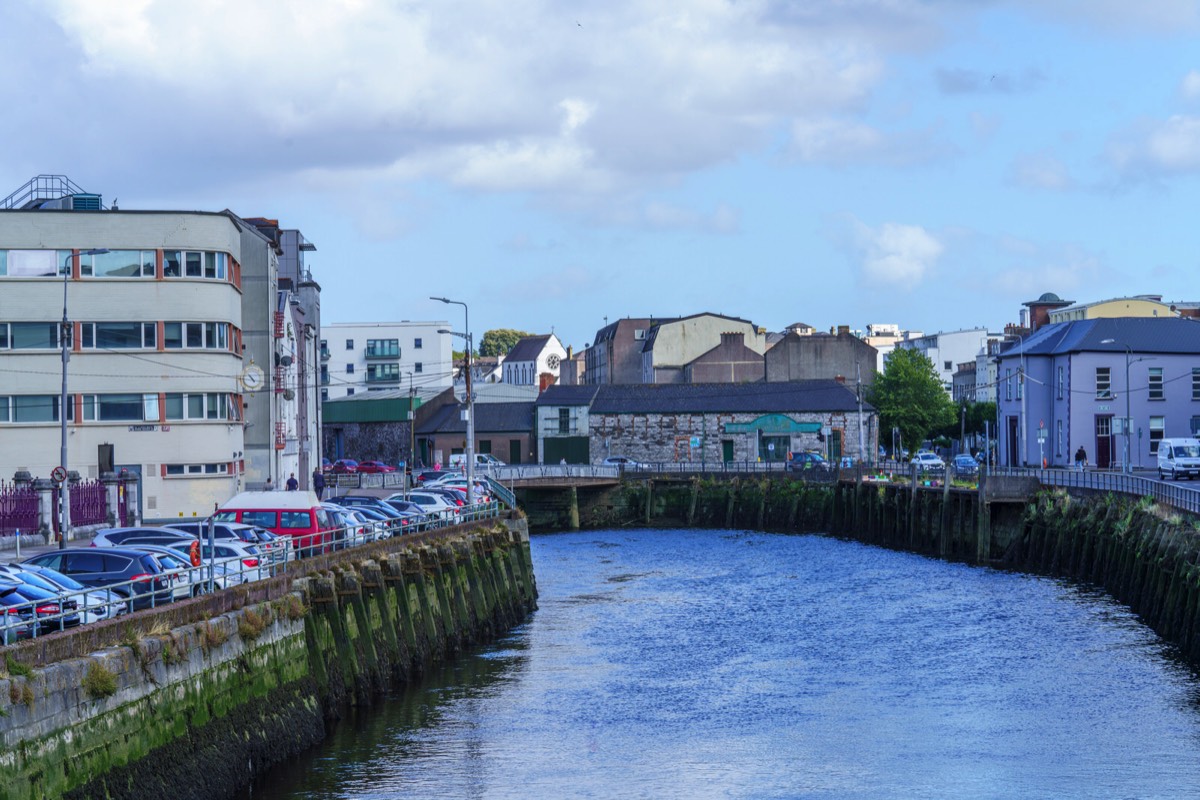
1081,458
268,486
292,483
318,482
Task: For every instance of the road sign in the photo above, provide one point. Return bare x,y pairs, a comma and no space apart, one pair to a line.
58,474
695,441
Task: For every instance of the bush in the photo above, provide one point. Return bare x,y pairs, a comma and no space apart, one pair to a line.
100,682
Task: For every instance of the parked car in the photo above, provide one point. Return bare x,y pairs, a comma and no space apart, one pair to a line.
427,475
430,503
366,502
103,567
240,559
295,515
344,466
807,462
16,617
274,547
965,466
48,600
191,581
375,466
326,465
116,537
620,461
928,461
94,604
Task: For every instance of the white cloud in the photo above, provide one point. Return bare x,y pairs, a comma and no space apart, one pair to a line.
1158,147
1189,87
897,254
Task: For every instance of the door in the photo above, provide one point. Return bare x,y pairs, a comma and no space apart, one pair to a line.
727,450
514,451
1014,438
774,448
835,446
1104,440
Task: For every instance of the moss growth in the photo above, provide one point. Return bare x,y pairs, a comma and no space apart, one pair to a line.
253,622
27,694
211,636
100,682
16,667
290,607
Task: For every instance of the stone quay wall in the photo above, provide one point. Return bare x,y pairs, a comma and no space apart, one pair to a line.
198,708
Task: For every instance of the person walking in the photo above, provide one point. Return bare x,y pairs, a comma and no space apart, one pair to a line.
1081,458
318,482
292,483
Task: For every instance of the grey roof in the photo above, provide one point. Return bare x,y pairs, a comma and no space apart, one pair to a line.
1138,334
529,348
699,398
489,418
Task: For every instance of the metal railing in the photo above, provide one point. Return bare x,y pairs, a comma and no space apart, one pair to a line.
516,472
365,480
33,619
1183,498
18,508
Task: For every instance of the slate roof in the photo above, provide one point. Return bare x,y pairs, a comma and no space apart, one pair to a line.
529,348
699,398
1142,335
489,418
561,395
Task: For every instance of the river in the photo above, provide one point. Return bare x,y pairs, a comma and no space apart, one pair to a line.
684,663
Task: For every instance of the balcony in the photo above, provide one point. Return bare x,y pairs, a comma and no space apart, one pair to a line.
325,355
375,378
382,348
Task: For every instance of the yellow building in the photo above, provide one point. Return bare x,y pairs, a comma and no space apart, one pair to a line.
1140,306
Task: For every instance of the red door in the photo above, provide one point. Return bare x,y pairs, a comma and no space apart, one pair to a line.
1103,441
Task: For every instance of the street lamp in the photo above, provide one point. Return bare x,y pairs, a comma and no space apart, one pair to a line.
64,494
1127,424
412,433
1021,391
470,399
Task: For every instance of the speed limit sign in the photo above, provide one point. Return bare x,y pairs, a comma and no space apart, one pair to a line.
59,474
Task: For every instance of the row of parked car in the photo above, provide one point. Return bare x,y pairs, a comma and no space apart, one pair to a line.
127,569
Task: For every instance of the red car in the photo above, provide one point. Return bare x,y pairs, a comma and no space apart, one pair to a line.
344,466
374,466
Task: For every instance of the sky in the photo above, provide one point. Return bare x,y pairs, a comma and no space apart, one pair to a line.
928,163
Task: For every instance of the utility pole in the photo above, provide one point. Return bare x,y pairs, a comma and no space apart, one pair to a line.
858,390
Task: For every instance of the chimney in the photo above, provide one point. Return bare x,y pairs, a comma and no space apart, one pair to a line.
840,379
843,330
570,350
544,380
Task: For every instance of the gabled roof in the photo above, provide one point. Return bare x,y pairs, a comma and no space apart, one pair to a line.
529,348
1112,335
700,398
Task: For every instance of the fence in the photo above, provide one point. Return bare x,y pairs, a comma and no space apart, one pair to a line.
365,480
1183,498
18,509
89,503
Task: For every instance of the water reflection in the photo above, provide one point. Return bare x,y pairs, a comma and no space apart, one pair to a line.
737,664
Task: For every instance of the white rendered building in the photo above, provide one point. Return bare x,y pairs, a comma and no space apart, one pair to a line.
374,356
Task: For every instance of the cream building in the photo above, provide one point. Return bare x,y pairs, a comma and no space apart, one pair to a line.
1139,306
159,382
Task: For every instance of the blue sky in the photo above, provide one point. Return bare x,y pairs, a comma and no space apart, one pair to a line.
928,163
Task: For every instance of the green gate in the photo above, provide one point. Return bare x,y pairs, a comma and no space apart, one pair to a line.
572,449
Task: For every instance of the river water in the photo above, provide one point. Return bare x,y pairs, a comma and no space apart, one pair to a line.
680,664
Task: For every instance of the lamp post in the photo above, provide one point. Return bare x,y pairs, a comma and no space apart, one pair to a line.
470,449
1021,448
412,433
1126,424
64,494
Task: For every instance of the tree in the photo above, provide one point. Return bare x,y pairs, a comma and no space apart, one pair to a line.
499,341
909,396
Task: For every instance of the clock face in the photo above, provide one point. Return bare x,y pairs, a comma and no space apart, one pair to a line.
552,362
252,378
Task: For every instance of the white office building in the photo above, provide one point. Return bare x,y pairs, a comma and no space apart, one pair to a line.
375,356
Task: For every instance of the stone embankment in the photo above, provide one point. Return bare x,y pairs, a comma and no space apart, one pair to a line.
195,699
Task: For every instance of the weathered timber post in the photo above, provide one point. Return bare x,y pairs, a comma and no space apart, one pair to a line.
729,504
944,516
649,498
691,515
573,509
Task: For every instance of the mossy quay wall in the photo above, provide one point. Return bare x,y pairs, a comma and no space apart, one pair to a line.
197,710
1143,555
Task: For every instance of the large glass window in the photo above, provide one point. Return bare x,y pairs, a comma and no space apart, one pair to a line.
118,264
383,372
35,408
33,335
1155,383
120,408
118,335
30,263
195,264
1196,383
383,348
196,335
1062,382
197,405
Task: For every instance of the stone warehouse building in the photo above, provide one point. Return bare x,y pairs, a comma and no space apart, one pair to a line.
702,422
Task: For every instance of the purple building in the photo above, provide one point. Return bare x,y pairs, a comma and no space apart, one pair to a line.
1073,384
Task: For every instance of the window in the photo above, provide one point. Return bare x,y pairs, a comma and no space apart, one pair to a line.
324,394
1062,381
1103,383
34,408
383,372
1157,426
31,263
947,365
195,264
1020,382
29,335
349,369
349,392
119,335
120,407
418,367
196,335
1008,384
349,344
1058,436
295,519
261,519
1155,384
174,470
1196,383
1195,424
118,264
564,420
199,405
416,344
383,348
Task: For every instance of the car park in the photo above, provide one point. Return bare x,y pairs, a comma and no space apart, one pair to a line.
44,593
297,515
430,503
138,577
28,611
239,559
274,547
812,463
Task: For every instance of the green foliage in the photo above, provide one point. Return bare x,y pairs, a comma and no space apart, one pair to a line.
16,667
100,681
499,341
910,397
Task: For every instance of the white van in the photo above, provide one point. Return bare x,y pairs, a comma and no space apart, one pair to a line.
1179,458
482,461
